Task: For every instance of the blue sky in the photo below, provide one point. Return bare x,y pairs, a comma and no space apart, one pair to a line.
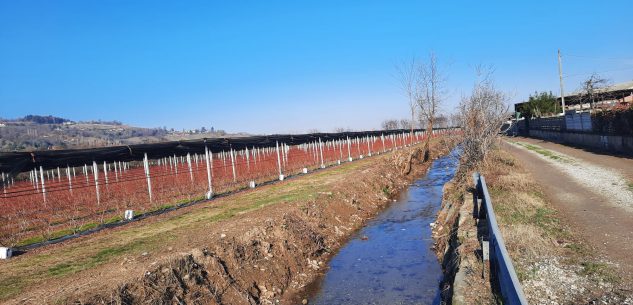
291,66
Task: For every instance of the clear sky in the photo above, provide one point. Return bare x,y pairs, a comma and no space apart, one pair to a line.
291,66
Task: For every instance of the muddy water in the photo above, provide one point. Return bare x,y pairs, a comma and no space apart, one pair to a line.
390,260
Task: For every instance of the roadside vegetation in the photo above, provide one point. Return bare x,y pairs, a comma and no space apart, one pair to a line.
553,264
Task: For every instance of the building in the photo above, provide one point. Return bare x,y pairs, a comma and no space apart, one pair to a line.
605,98
620,94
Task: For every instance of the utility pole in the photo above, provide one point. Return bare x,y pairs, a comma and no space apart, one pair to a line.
560,75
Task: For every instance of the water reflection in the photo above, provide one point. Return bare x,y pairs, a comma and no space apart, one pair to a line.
395,265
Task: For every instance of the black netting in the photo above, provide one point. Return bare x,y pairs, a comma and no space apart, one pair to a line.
13,163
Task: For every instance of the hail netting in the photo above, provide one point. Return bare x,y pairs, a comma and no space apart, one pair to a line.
13,163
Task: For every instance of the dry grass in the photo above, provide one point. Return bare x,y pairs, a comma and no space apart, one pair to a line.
531,228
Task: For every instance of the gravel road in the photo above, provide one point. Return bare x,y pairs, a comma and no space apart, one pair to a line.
592,193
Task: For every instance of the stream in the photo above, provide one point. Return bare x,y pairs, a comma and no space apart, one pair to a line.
390,260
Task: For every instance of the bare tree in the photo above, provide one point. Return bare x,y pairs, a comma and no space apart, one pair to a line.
429,95
409,75
407,124
592,86
390,124
455,120
482,115
441,121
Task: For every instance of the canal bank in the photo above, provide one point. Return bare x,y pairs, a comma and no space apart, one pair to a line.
391,260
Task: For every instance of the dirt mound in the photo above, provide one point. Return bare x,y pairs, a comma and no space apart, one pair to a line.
266,256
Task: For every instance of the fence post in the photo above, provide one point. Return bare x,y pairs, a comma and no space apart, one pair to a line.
70,181
233,165
147,175
281,176
209,168
190,169
321,153
95,171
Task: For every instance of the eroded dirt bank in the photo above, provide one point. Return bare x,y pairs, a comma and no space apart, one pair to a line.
243,249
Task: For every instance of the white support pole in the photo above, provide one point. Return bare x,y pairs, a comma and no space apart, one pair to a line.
43,185
368,148
59,175
281,176
4,187
147,175
95,170
349,149
190,169
209,168
248,160
231,151
340,149
70,180
105,172
37,180
116,173
321,153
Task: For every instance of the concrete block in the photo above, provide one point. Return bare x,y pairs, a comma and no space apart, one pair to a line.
338,162
304,170
281,177
209,195
5,253
361,156
251,184
129,215
350,159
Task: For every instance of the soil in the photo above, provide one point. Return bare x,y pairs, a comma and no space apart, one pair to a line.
258,247
603,223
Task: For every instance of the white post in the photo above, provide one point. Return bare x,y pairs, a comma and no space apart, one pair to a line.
149,181
95,170
340,149
43,184
116,173
70,180
368,148
248,160
233,165
349,149
105,172
209,167
59,175
281,176
321,153
189,165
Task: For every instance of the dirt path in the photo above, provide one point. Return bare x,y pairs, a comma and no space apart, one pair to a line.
591,192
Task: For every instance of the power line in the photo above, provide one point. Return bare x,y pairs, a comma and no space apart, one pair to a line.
605,71
598,58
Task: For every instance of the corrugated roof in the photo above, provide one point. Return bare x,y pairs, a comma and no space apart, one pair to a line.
615,87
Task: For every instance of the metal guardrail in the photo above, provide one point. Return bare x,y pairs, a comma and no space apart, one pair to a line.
501,269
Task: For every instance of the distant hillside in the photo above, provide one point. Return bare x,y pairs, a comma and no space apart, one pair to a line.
35,132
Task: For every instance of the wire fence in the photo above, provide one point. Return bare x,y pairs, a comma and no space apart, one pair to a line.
46,201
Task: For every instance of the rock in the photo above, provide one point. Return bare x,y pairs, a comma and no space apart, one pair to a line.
222,235
304,301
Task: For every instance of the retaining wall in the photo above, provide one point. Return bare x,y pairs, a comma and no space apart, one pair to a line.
611,143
